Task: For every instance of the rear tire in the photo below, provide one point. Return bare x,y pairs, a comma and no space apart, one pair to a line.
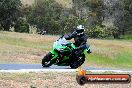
77,62
46,60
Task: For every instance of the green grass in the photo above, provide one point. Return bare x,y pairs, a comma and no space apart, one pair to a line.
124,38
110,53
122,60
127,37
30,48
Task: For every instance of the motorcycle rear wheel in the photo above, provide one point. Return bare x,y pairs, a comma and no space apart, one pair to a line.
46,60
77,62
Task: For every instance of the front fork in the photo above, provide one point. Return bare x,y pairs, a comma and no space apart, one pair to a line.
55,55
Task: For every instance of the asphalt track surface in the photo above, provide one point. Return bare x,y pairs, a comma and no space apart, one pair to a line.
53,68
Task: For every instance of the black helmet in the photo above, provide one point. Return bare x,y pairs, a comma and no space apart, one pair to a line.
80,29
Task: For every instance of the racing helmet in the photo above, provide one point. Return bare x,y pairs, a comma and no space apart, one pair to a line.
80,29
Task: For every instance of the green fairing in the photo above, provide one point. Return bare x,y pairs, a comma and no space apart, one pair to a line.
54,53
59,47
61,55
64,48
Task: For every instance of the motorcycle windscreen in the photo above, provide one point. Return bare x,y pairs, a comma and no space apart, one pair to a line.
60,42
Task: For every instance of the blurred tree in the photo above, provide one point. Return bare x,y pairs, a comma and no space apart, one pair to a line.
123,15
127,17
92,12
21,26
96,14
102,18
45,15
9,12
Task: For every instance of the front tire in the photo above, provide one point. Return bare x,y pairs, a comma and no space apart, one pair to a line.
77,62
46,60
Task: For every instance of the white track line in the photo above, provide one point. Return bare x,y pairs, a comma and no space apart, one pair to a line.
38,70
59,70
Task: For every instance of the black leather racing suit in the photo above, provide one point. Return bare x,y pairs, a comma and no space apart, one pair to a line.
80,41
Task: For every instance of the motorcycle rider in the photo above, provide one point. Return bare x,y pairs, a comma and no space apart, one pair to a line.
80,39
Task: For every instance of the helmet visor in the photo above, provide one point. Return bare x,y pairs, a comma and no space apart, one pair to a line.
80,31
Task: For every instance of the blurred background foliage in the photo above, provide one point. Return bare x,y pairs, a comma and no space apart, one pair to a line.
102,18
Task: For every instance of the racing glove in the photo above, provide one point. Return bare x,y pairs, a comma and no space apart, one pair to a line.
89,51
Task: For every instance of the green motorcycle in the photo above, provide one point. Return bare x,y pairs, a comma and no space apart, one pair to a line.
61,55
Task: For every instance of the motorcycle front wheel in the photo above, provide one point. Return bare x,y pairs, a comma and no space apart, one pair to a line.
46,60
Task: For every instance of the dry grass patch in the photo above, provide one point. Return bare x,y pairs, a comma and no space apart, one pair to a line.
64,3
48,80
29,2
30,48
23,48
